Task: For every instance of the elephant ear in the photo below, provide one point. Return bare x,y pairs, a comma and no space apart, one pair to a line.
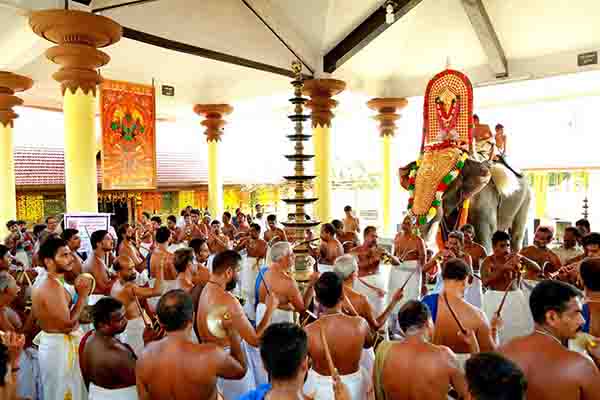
475,175
403,172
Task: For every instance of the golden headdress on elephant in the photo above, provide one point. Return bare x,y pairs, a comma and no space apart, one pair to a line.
447,137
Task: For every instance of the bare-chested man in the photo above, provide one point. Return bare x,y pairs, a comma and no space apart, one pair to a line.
475,250
200,272
274,233
131,295
427,370
177,233
59,341
329,250
184,258
371,281
501,273
216,295
28,379
217,241
541,254
553,372
96,264
569,248
351,222
590,277
458,325
491,376
107,364
128,247
256,253
279,282
409,248
346,337
229,229
349,240
161,259
144,233
198,229
175,368
71,236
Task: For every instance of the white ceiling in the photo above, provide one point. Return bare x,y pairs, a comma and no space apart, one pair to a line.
539,38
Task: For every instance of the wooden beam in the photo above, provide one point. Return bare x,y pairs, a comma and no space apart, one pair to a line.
119,5
364,34
480,20
201,52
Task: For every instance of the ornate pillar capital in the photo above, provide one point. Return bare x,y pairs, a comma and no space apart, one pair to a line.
213,119
10,84
77,35
387,116
321,103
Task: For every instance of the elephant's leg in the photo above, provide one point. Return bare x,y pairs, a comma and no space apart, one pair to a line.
484,220
519,224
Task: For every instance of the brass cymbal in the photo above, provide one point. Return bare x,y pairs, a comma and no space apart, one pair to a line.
89,276
214,321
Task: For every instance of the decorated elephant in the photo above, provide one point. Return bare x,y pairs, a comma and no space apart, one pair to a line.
499,200
456,175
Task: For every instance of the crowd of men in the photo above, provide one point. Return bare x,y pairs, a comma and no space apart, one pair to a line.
210,309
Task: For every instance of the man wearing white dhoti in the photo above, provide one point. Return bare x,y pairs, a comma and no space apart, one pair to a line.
371,281
256,252
501,273
176,368
60,336
96,264
131,296
216,300
343,336
107,364
329,250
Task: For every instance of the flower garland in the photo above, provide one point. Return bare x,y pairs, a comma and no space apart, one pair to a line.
441,189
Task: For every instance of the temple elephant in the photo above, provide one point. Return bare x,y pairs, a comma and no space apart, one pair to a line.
499,200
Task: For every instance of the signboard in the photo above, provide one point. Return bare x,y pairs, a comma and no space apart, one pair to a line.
590,58
128,136
87,224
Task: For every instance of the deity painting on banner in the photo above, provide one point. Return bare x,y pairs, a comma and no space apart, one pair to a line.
128,136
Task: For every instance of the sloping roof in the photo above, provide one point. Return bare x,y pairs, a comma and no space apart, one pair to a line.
43,166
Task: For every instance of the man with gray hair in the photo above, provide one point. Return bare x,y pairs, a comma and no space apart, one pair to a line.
279,282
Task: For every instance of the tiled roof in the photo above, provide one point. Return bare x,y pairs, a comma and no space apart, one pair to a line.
35,166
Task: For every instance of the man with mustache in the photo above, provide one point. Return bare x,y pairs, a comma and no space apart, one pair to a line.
58,316
217,294
554,372
542,255
127,292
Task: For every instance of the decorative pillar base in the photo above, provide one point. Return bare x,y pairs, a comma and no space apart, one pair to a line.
321,103
387,117
9,84
214,123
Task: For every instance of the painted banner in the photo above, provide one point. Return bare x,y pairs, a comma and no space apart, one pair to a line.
128,136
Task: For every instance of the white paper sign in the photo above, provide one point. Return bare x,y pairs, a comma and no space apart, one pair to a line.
87,224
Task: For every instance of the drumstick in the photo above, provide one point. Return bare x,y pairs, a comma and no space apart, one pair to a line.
374,288
332,369
351,306
504,297
408,279
462,329
306,242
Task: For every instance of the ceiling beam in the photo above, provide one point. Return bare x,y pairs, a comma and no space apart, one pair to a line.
269,15
201,52
480,20
364,34
119,5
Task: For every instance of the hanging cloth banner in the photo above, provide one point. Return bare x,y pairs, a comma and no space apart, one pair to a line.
128,136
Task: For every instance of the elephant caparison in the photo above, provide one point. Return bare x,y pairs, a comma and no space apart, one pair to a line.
499,200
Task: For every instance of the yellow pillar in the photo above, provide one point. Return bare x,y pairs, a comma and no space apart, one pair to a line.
386,184
214,123
387,117
321,103
9,84
81,186
78,36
